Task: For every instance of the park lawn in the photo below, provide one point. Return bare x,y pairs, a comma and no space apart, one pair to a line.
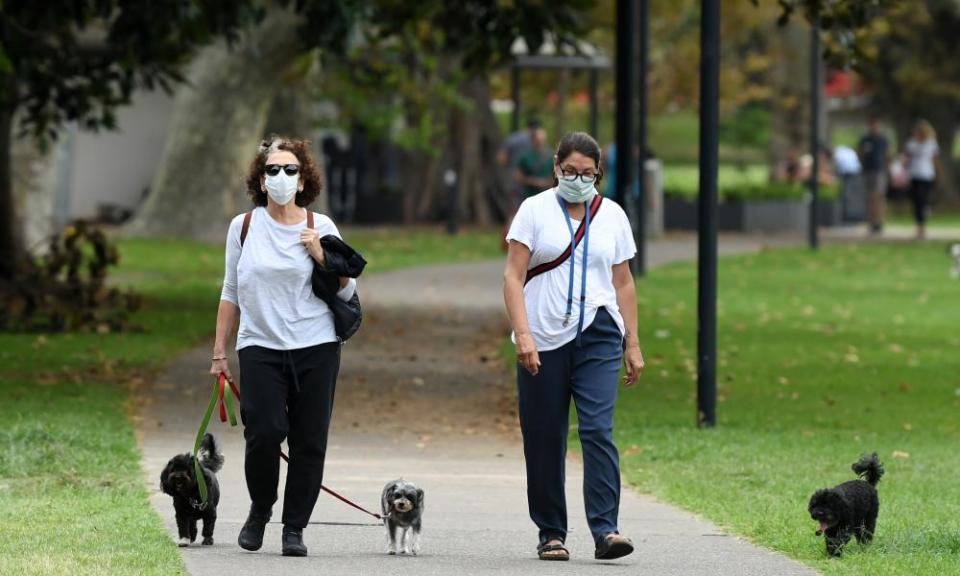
901,214
72,495
821,357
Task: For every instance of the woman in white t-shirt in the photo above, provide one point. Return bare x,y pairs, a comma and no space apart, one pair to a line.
923,165
574,322
287,345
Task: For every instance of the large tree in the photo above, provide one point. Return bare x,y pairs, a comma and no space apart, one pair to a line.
77,61
911,62
413,73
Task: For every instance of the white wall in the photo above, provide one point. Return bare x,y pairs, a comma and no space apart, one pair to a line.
114,167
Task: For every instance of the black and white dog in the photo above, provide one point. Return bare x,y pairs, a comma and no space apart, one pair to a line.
178,480
402,507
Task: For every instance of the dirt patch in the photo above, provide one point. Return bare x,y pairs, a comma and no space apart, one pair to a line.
426,375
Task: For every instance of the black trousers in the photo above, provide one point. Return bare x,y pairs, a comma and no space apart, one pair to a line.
920,192
287,394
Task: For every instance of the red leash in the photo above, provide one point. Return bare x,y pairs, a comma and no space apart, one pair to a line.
221,380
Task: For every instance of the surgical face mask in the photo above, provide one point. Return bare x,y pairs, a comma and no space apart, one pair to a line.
281,187
575,191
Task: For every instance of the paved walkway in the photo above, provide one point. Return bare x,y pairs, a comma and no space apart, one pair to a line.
423,395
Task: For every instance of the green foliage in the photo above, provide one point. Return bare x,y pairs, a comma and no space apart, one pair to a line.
401,78
66,288
737,183
79,60
748,127
844,20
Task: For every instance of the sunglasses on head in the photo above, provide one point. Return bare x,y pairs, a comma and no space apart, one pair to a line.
289,169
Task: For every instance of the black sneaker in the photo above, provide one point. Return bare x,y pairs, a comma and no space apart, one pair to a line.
251,535
293,542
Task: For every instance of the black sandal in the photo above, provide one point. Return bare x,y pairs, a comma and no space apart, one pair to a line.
613,546
544,552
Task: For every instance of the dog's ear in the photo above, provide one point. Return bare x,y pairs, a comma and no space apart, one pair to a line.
165,486
420,498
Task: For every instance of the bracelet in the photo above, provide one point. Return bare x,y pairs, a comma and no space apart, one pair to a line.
219,358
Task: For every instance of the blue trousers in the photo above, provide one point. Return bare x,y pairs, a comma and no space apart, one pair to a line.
588,374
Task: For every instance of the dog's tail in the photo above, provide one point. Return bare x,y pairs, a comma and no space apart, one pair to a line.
869,468
210,456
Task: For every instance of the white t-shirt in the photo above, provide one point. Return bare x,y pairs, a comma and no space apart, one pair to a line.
268,278
921,158
540,225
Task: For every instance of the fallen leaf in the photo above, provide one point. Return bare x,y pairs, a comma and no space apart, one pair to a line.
900,455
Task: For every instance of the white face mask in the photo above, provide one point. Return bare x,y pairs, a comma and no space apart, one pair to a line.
281,188
576,191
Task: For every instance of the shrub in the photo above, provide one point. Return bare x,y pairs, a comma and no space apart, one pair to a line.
65,289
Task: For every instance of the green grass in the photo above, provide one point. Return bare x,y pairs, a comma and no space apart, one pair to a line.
821,357
72,498
902,214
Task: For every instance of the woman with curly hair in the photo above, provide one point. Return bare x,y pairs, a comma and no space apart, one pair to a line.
288,349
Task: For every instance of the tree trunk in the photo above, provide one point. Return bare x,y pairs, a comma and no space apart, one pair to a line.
218,120
473,174
38,174
292,115
10,248
946,128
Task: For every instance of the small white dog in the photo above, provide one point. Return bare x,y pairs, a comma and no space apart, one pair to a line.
402,506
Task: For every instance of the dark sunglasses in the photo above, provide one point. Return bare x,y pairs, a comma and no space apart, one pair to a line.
274,169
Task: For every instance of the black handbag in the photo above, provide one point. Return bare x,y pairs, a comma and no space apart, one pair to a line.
341,260
347,314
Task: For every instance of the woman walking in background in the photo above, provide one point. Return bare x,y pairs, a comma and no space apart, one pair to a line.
570,343
923,165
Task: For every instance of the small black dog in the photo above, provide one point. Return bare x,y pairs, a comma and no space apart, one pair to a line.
849,509
178,480
402,506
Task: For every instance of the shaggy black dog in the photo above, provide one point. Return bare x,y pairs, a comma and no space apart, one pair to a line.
849,509
178,479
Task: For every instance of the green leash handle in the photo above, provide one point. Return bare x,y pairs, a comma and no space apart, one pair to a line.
226,411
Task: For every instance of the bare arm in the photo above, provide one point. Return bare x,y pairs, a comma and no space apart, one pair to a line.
518,259
227,315
627,302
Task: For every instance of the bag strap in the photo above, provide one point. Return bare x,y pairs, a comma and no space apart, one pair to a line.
246,224
246,227
548,266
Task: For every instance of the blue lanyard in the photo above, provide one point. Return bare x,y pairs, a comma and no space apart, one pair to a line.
583,275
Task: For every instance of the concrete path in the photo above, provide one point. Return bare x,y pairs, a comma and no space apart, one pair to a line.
423,395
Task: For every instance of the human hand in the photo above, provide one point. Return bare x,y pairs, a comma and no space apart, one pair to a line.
220,365
527,353
633,359
311,241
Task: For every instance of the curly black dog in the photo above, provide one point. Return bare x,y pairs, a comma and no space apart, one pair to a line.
849,509
178,480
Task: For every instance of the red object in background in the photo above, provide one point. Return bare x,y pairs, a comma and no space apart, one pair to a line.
842,84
